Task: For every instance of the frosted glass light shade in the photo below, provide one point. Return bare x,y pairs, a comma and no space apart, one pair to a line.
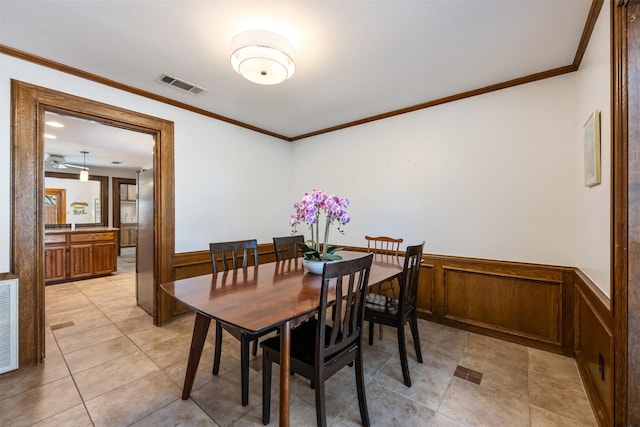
84,175
262,57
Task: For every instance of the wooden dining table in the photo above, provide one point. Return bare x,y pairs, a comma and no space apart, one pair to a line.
259,298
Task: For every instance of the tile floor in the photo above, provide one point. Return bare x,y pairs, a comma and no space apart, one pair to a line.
107,365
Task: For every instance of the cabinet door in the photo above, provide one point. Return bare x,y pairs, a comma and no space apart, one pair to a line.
80,260
104,258
55,265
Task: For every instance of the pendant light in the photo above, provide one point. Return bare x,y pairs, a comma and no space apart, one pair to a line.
84,173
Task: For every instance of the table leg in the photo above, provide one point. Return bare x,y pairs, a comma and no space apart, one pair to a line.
200,329
285,348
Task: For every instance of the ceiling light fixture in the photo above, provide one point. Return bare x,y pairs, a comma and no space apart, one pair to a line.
262,57
84,173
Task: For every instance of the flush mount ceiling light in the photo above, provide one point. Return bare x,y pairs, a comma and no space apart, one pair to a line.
262,57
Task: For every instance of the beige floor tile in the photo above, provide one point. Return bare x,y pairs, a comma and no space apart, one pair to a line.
177,370
110,375
220,398
387,408
428,385
561,397
133,401
76,417
177,413
39,403
98,354
88,338
553,365
170,351
82,321
440,420
135,324
543,418
470,404
149,337
14,383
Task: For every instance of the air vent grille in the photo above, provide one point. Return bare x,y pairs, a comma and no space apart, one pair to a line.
181,84
8,325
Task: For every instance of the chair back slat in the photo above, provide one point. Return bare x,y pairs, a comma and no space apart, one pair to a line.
350,280
287,247
409,278
383,245
231,253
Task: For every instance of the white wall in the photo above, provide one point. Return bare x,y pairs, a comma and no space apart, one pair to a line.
230,183
593,216
489,177
497,176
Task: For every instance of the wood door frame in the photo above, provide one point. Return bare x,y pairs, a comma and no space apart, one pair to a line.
61,203
28,105
115,197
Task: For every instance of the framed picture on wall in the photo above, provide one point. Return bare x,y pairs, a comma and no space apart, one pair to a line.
592,150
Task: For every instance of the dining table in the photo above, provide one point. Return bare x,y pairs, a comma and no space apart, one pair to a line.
258,298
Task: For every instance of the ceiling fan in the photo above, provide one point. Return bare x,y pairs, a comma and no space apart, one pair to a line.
58,162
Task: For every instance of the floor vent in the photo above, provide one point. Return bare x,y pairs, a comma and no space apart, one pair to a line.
8,325
181,84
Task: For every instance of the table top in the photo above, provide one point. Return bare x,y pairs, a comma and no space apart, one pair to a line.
261,297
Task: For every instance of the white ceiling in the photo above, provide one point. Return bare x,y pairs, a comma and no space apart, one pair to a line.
354,59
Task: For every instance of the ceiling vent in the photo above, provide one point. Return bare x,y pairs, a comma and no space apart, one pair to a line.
181,84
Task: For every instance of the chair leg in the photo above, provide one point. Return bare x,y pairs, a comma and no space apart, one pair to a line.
254,351
321,415
371,324
266,388
380,326
218,349
403,356
244,369
416,336
362,398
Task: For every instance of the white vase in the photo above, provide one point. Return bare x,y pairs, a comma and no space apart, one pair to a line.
314,267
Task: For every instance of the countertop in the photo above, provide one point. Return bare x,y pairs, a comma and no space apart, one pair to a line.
79,230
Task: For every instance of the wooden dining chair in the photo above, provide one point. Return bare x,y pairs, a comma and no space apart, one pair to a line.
385,246
287,247
394,312
230,256
319,350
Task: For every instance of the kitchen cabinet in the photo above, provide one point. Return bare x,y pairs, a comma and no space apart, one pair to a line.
128,235
79,254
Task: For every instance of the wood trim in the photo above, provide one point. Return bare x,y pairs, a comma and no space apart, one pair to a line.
117,85
592,18
28,103
584,41
115,201
620,206
594,339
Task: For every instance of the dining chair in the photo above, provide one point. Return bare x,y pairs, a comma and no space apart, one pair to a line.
384,245
287,247
233,255
394,312
322,346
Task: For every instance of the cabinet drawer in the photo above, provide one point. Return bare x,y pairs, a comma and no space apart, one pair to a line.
92,237
55,238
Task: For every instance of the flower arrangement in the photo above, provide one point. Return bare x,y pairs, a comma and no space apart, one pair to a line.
308,210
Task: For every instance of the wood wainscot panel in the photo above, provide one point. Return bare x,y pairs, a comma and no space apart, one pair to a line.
594,346
426,281
519,302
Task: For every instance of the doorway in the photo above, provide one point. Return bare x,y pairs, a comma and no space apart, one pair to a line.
29,103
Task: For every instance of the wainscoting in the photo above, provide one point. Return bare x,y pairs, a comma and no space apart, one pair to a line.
551,308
